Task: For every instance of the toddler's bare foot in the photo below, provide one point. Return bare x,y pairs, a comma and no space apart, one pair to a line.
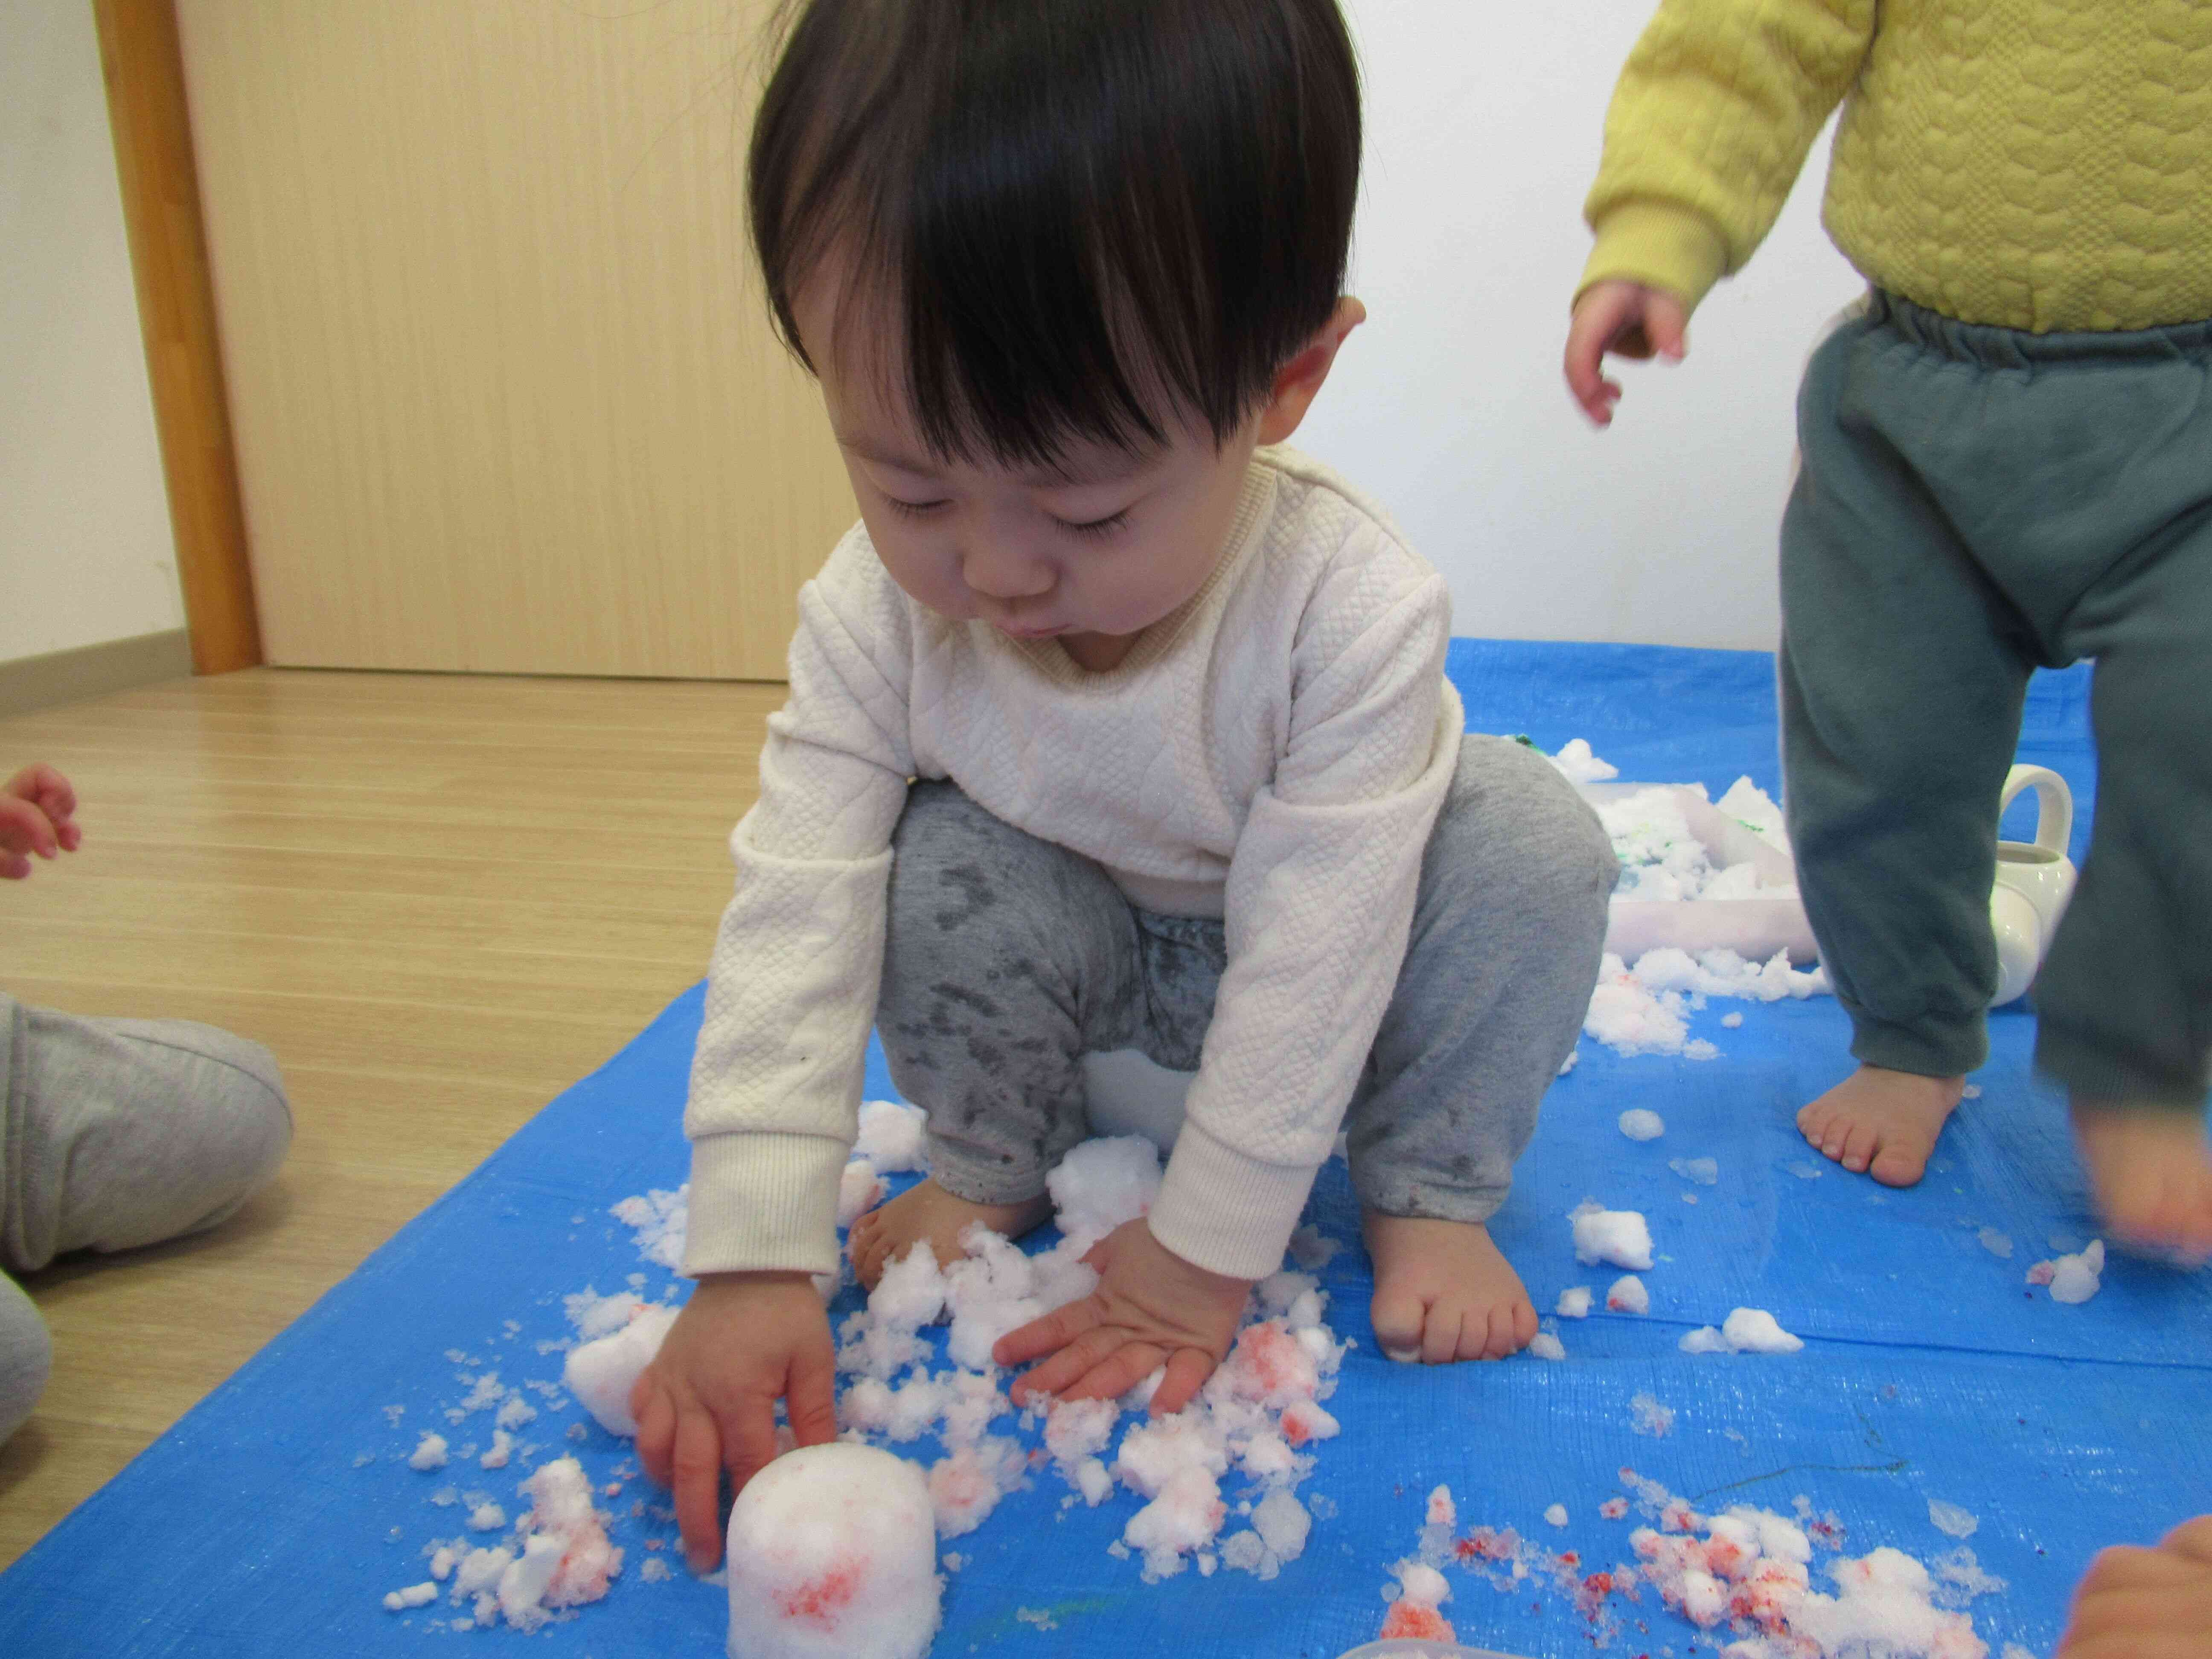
1882,1123
2151,1170
1443,1292
927,1211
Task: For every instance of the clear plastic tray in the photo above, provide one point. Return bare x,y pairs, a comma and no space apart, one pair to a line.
1408,1647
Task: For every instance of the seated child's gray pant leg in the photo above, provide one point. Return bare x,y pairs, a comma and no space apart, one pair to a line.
1508,931
121,1132
27,1355
1008,958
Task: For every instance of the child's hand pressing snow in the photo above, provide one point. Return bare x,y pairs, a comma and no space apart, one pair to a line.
36,806
1151,1309
2146,1604
708,1401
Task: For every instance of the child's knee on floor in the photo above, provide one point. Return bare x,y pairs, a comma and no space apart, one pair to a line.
26,1355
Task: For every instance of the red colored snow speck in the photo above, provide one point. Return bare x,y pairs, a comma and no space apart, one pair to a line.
822,1601
1571,1558
1410,1621
1613,1508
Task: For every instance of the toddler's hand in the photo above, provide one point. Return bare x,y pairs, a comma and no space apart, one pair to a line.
2146,1604
1151,1307
35,817
708,1401
1628,319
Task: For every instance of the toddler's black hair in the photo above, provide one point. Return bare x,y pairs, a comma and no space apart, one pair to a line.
1086,215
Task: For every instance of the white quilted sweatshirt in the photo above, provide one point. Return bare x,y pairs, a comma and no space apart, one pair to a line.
1274,753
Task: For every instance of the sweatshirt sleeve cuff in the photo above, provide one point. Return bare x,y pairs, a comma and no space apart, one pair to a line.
763,1201
1660,245
1227,1213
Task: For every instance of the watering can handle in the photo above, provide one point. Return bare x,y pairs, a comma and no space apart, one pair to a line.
2054,814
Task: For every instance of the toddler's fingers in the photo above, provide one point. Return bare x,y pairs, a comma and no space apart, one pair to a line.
1046,1335
2192,1539
1186,1374
1666,325
14,867
697,1466
656,1427
25,828
812,1398
1120,1370
1070,1365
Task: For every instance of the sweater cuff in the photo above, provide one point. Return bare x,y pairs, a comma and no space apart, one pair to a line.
763,1201
1225,1212
1660,245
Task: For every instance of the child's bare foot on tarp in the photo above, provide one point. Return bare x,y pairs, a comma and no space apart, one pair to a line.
1443,1292
927,1213
2151,1170
1882,1123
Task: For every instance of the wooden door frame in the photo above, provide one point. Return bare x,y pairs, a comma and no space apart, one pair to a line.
142,62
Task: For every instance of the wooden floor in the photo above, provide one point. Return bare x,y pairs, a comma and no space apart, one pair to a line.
438,900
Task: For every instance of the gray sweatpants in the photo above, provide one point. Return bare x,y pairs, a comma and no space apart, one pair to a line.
1009,960
1975,501
119,1132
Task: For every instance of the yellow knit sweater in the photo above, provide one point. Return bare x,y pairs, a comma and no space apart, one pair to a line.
2037,164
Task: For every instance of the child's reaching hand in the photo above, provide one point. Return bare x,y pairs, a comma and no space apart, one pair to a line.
2146,1604
35,817
1151,1307
1628,319
708,1401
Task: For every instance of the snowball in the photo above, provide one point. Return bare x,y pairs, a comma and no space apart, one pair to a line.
859,1189
601,1373
1950,1518
1557,1515
1574,1304
1628,1296
1619,1236
1704,1171
429,1453
1639,1124
832,1554
1101,1184
893,1137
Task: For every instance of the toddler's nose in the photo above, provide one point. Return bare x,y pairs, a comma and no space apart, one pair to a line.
1006,574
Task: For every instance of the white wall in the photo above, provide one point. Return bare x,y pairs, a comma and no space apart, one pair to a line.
86,554
1483,126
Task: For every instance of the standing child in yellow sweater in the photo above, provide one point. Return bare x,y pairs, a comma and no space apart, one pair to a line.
2006,463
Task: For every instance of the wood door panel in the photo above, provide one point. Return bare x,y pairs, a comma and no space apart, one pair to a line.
505,393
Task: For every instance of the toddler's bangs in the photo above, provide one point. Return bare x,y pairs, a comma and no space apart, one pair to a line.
1092,220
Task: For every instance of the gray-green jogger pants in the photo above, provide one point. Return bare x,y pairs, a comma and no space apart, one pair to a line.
1973,502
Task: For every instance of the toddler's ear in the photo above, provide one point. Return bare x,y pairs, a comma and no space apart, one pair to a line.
1300,380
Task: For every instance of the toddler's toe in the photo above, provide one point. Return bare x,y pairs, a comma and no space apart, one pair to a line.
1400,1316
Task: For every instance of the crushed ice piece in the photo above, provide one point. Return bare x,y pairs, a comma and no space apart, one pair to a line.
1627,1295
1574,1304
1951,1519
429,1453
1963,1576
415,1596
1578,765
1733,1020
1185,1516
1804,1171
1039,1619
601,1372
487,1517
1546,1344
1997,1243
893,1136
1557,1515
1972,1091
1747,1330
1648,1416
832,1549
658,1221
1574,1058
1639,1123
966,1484
2072,1278
1706,1171
859,1189
1442,1511
1619,1236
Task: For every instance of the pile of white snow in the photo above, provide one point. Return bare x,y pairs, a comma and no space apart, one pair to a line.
1747,1330
2072,1277
557,1557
